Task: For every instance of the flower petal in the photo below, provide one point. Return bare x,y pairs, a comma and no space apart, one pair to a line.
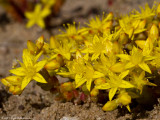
39,78
27,58
79,80
124,56
18,71
112,92
98,74
145,67
25,82
126,84
88,84
38,66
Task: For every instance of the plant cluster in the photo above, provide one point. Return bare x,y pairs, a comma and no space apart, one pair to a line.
116,58
36,11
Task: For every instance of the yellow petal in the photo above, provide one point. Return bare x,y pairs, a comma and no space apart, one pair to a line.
126,84
98,74
38,66
18,71
112,92
30,23
41,23
124,56
145,67
27,58
79,80
25,82
88,84
39,78
124,74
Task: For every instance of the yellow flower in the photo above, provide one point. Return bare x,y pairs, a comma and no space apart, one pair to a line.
131,26
29,69
139,81
145,13
82,71
136,58
114,83
37,16
98,47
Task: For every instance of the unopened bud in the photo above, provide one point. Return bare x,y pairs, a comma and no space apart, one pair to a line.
53,43
118,67
59,59
130,33
14,80
142,24
5,82
94,92
110,105
11,89
123,38
68,96
154,32
110,16
124,98
31,47
65,87
52,65
40,42
99,81
17,90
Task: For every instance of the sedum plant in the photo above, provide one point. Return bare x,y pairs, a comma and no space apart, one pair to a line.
114,57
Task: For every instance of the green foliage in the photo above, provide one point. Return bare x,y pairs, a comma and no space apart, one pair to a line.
120,59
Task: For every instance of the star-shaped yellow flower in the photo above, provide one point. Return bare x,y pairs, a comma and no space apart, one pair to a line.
37,16
136,59
29,69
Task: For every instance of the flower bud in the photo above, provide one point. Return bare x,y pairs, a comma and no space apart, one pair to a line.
11,89
31,47
94,92
124,98
5,82
52,65
78,54
68,96
123,38
110,105
99,81
154,33
17,90
118,67
53,43
130,32
14,80
142,24
59,59
107,25
110,16
65,87
40,42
